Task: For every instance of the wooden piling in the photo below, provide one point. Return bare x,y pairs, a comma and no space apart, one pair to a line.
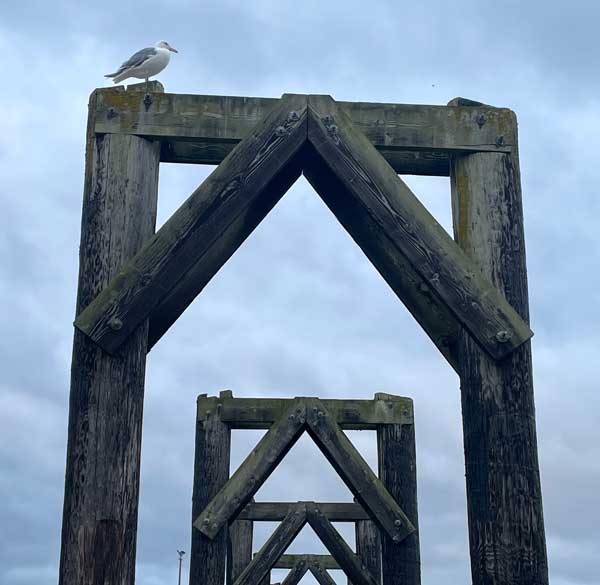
506,526
107,392
401,562
211,472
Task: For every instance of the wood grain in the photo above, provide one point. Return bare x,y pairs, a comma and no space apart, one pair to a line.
355,472
107,393
397,462
211,472
506,522
368,547
253,472
337,546
275,546
265,158
455,280
276,511
239,548
204,129
261,413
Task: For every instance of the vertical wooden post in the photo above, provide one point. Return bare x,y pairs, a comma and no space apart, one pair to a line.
239,548
106,400
368,547
506,525
400,562
211,472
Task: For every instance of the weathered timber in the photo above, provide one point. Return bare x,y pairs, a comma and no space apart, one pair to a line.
412,231
506,525
398,472
298,570
261,413
266,157
410,287
355,472
106,400
275,546
239,548
289,561
211,471
276,511
337,546
368,547
204,129
253,472
320,574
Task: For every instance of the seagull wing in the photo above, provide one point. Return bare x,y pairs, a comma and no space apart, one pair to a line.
135,60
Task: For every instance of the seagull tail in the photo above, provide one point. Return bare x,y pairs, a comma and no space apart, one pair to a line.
118,76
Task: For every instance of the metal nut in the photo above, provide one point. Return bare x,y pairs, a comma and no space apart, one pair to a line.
503,336
115,324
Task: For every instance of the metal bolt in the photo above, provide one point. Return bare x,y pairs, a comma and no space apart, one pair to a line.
397,522
214,526
480,120
302,420
206,521
115,324
291,417
499,140
280,131
111,113
396,538
293,116
503,336
320,414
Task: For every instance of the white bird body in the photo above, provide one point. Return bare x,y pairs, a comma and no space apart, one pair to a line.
145,63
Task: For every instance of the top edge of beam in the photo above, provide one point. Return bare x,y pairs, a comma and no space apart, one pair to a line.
203,129
350,414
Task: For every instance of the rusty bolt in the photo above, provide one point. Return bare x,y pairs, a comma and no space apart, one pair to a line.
503,336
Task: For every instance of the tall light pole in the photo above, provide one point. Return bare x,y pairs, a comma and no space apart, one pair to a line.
180,553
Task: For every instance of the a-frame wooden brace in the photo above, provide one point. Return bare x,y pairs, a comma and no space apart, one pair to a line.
298,516
310,415
440,285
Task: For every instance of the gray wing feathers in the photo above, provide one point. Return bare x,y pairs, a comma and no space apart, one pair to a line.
135,60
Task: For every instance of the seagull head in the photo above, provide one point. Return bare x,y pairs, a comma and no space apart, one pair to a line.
165,45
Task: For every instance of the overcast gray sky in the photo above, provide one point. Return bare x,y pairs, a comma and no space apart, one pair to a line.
299,309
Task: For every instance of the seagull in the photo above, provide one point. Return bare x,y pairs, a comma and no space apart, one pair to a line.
145,63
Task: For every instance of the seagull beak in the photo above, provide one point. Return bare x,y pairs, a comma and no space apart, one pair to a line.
172,49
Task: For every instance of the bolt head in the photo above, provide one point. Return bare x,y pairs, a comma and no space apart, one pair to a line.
115,324
397,522
502,336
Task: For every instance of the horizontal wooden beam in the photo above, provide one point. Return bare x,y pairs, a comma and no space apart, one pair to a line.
289,561
261,413
414,139
277,511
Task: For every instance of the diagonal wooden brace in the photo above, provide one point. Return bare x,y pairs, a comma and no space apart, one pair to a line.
412,233
173,267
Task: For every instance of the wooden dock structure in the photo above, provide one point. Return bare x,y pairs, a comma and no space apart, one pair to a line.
469,294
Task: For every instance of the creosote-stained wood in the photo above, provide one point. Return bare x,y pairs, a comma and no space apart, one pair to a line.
412,231
298,570
276,511
106,398
289,561
239,548
305,414
265,158
321,575
355,472
368,547
397,462
275,546
211,472
504,497
261,413
253,472
204,129
337,546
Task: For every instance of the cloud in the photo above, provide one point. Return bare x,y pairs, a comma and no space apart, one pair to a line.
298,309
